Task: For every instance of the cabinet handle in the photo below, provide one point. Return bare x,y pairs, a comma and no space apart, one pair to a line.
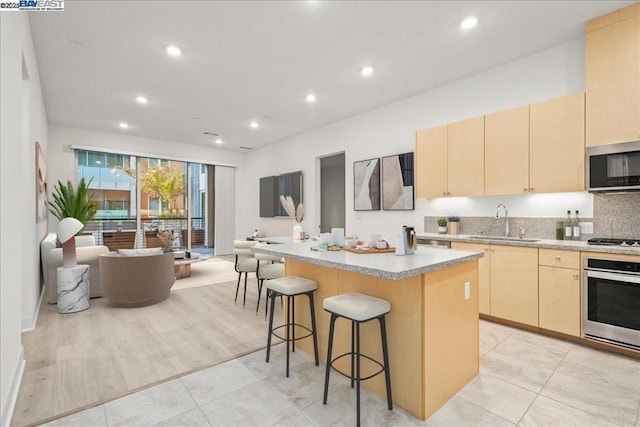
576,275
558,257
525,189
444,193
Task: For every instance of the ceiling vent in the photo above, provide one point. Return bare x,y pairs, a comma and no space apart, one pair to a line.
246,148
211,133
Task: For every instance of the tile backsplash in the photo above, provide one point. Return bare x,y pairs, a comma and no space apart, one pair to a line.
615,215
541,228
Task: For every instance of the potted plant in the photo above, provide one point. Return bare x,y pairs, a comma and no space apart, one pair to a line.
453,224
71,203
442,225
75,203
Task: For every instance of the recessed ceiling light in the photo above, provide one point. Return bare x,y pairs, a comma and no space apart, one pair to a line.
218,141
254,125
311,98
366,71
141,99
174,50
123,125
468,22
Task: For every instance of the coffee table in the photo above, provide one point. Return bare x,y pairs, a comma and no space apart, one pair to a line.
183,265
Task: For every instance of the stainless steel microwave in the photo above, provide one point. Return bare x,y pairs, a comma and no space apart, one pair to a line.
614,167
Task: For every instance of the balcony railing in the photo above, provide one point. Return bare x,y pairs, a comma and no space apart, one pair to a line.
121,233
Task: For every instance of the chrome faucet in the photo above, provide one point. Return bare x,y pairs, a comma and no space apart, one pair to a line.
506,218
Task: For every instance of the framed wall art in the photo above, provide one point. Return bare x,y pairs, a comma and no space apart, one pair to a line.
42,200
397,182
366,185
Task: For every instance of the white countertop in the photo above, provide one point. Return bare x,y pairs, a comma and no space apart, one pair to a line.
542,243
386,265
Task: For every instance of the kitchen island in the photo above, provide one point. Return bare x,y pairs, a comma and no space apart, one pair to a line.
432,328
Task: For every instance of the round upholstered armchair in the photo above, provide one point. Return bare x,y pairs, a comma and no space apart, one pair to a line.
136,280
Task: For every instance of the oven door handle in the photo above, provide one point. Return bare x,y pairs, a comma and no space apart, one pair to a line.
621,277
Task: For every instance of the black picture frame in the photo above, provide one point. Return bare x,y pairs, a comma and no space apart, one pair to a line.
366,185
398,182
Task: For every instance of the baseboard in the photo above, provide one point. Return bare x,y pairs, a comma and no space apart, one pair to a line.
29,323
10,404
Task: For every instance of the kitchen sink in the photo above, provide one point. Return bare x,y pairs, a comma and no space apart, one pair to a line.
508,239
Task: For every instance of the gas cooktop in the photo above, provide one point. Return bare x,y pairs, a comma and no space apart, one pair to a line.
613,242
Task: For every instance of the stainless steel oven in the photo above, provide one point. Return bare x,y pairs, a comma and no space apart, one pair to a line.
611,309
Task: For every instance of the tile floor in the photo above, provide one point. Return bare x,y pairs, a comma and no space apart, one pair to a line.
525,379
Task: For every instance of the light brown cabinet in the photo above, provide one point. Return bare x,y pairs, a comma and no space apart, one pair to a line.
506,152
556,145
613,77
431,162
514,284
559,291
484,273
465,158
508,281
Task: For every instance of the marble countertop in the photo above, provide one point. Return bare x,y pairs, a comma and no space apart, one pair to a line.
386,265
542,243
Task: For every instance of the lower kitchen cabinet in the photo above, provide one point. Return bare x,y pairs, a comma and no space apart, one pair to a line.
484,273
559,299
514,284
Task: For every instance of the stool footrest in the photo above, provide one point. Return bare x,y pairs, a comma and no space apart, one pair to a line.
361,355
273,332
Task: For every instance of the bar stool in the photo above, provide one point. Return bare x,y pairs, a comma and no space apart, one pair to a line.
358,308
291,287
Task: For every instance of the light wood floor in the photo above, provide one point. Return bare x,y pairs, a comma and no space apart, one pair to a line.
79,360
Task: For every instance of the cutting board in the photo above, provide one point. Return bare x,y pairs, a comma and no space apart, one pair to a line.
370,250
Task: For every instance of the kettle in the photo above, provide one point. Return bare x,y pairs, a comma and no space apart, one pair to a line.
410,239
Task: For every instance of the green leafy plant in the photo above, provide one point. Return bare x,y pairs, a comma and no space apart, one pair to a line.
70,202
442,222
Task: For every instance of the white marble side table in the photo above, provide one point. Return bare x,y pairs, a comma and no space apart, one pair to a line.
73,289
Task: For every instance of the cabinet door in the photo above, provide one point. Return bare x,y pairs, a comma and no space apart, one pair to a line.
484,273
557,145
560,300
613,77
514,284
506,152
431,162
465,159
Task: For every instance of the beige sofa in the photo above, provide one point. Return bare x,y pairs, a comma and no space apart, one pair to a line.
51,257
136,281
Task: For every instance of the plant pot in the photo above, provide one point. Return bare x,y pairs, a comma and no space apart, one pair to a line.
453,228
442,230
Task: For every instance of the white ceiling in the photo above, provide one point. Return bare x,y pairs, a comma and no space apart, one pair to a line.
257,60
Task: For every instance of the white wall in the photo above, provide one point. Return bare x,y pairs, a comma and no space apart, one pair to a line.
62,163
22,122
391,130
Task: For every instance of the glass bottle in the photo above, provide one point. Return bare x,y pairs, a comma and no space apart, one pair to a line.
576,226
568,227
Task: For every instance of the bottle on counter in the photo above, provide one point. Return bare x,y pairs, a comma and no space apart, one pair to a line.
576,226
568,227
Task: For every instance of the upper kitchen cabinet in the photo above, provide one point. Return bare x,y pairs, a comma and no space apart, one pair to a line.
465,158
431,162
506,152
613,77
556,145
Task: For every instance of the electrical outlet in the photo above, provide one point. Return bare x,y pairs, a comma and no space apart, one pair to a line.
586,227
467,290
